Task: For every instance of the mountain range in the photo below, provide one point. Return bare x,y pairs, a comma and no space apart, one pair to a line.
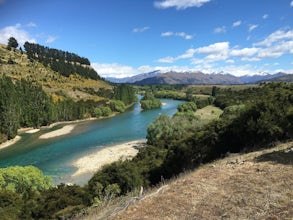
188,78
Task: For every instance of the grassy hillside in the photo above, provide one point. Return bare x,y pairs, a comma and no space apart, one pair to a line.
75,86
257,185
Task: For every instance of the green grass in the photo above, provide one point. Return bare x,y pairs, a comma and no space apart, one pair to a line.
209,113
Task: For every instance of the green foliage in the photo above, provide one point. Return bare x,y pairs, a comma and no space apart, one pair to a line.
165,130
12,43
24,104
61,202
149,101
187,107
117,106
125,94
23,180
150,104
98,112
122,173
106,111
11,205
64,62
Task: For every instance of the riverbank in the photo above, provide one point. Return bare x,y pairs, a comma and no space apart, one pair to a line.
93,162
59,132
9,142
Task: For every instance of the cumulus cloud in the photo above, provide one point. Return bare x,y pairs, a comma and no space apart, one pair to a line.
17,32
180,4
237,23
291,4
245,52
251,27
220,30
213,48
31,24
188,54
178,34
279,35
140,30
114,70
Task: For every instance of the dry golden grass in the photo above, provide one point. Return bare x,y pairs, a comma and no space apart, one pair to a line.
52,82
257,185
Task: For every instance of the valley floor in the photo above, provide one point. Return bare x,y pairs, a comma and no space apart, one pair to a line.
258,185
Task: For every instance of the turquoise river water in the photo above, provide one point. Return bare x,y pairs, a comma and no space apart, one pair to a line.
54,156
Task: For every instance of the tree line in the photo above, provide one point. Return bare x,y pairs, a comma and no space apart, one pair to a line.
64,62
24,104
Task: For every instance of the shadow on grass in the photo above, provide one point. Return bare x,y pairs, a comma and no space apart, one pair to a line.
282,157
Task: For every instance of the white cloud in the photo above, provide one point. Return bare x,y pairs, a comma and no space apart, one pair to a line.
167,34
265,16
178,34
291,4
51,39
279,35
216,52
120,71
188,54
140,30
245,52
114,70
213,48
180,4
230,61
237,23
17,32
220,30
251,27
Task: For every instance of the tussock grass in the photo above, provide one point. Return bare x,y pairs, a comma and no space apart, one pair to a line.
52,82
241,186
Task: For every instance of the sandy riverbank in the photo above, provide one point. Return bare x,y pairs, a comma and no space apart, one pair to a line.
67,129
93,162
10,142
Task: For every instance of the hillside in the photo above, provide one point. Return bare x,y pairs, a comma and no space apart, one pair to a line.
187,78
256,185
283,78
74,86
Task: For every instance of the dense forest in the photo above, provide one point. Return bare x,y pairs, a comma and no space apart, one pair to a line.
64,62
249,122
23,103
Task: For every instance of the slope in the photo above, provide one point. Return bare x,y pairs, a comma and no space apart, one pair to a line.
258,185
17,65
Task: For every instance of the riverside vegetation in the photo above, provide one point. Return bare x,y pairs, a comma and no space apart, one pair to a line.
251,117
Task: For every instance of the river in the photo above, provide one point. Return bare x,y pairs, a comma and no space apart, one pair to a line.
54,156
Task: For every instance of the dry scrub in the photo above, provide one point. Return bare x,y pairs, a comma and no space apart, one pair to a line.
257,185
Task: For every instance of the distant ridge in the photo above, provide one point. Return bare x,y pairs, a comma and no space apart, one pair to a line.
263,77
133,79
194,78
282,78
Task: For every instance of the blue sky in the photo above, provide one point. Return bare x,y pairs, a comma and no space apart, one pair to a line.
127,37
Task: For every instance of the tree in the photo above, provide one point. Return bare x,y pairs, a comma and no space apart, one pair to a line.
12,43
23,180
